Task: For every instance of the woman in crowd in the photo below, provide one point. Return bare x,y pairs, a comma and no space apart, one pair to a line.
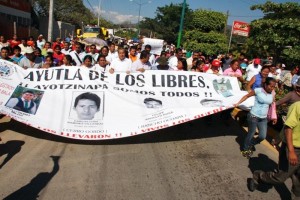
14,41
3,42
101,63
46,47
87,62
257,117
67,61
57,54
182,65
258,80
286,81
49,62
198,66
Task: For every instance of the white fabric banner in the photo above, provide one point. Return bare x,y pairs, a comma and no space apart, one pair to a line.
79,103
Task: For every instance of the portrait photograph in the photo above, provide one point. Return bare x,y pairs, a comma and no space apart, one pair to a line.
25,100
87,106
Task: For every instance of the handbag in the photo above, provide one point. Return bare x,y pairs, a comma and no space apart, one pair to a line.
272,115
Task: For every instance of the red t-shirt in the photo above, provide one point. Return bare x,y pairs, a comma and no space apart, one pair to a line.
59,57
14,43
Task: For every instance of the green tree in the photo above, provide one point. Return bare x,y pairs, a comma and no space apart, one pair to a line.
277,33
167,21
71,11
206,32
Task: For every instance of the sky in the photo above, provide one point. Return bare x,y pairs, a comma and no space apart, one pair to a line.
119,11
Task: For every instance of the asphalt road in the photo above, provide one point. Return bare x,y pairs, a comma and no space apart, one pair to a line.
197,160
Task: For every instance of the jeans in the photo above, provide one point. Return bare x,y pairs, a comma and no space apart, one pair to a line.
253,123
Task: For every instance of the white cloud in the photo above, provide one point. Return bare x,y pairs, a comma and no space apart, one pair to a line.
116,17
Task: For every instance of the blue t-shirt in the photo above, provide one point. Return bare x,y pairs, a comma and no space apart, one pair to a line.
258,81
261,103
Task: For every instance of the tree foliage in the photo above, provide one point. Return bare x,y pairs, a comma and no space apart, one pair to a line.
71,11
206,20
205,32
167,21
277,33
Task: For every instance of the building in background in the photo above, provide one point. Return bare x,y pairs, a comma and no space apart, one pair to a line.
16,18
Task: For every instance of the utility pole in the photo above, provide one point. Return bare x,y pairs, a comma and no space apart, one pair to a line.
225,28
181,24
50,23
99,13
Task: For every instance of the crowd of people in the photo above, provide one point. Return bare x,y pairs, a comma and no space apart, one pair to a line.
267,81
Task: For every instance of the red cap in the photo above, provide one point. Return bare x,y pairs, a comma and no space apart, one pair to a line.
216,63
256,61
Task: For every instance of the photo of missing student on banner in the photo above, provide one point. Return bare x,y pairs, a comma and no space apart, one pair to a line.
25,100
87,106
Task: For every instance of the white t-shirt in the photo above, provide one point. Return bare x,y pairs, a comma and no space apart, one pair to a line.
26,63
112,56
66,52
75,57
95,57
120,65
173,62
252,71
41,44
138,64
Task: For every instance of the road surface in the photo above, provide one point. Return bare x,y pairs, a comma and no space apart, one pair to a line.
197,160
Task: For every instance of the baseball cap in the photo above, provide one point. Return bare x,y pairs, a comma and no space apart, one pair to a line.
256,61
243,65
216,63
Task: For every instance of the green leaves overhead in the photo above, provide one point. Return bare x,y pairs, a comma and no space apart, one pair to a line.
206,20
71,11
277,34
205,33
167,21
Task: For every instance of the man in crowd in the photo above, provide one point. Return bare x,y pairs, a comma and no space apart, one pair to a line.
112,54
143,63
93,53
4,53
151,57
78,55
30,60
132,54
253,69
289,156
173,60
23,46
120,64
195,55
66,49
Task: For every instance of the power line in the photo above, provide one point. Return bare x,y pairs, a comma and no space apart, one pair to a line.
90,4
246,16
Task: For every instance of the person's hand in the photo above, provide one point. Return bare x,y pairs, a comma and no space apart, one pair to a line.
274,121
293,159
235,105
141,70
127,72
111,70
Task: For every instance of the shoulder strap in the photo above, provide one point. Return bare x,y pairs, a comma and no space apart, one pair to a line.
78,57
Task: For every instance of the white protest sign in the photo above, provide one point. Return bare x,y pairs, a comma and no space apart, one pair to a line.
79,103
